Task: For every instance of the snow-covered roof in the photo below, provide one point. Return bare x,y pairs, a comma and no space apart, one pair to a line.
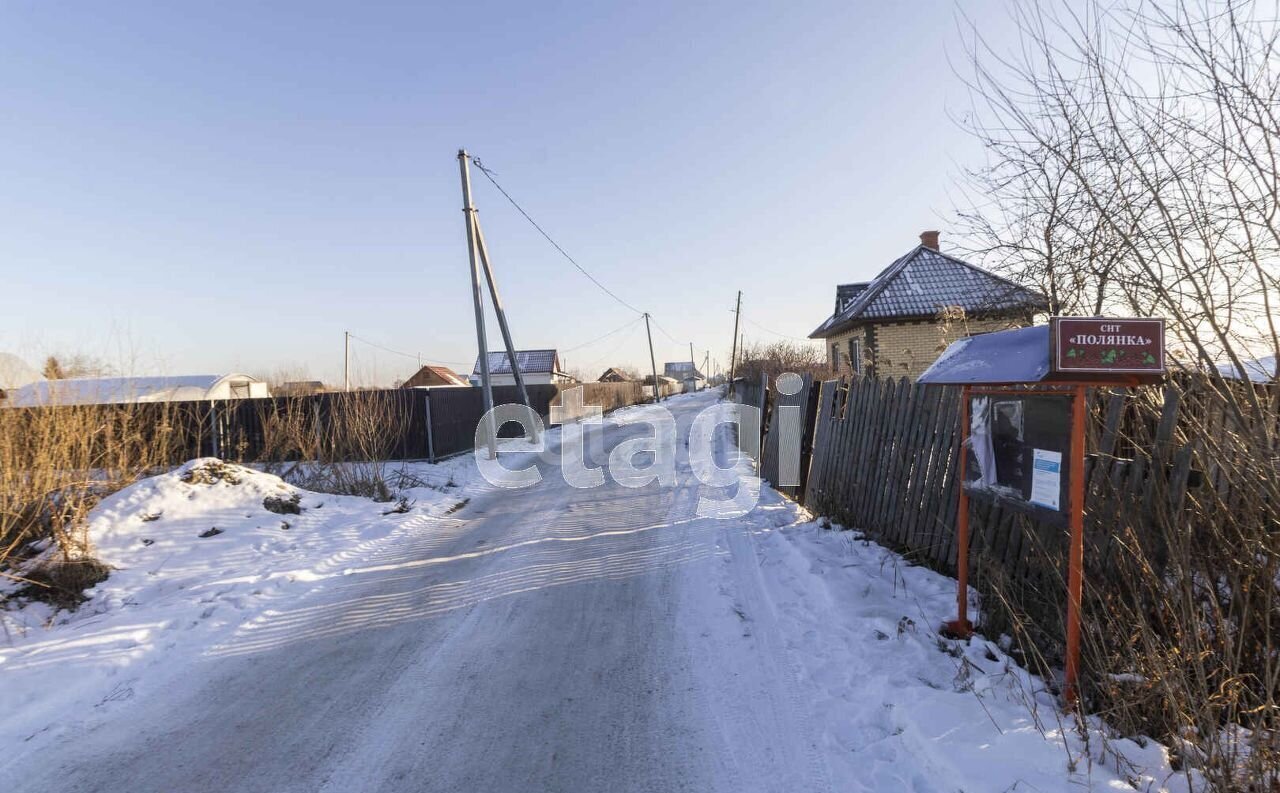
15,373
680,370
1259,370
532,361
114,390
922,283
1008,356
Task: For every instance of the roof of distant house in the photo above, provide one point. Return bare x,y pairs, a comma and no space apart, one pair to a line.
680,369
1258,370
113,390
532,361
15,373
444,373
921,284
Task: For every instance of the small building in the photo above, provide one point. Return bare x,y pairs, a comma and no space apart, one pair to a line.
899,322
537,367
434,376
684,372
297,388
614,375
124,390
663,380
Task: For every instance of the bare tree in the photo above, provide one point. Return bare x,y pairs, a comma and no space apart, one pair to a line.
1132,166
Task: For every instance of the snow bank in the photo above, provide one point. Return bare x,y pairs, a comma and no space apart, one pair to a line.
194,554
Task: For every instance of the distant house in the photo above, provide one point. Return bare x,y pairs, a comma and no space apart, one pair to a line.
684,372
294,388
537,367
614,375
899,322
432,376
122,390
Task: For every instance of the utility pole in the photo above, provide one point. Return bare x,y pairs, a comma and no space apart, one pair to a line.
502,314
733,359
346,360
694,364
653,364
477,299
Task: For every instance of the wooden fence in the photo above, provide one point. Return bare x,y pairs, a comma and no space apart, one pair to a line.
882,457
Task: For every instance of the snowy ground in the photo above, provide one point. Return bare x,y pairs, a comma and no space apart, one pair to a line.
546,639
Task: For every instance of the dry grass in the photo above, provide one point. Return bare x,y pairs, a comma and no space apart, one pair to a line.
55,465
1182,613
342,448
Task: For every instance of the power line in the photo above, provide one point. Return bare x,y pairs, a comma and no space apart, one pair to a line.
674,340
614,349
774,332
605,336
556,245
415,356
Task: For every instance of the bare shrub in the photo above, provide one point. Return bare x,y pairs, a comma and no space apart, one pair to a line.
56,463
776,357
339,445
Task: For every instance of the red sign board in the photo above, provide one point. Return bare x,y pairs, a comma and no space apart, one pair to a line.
1102,344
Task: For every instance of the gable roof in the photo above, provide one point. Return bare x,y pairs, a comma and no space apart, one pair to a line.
919,285
681,370
529,361
443,372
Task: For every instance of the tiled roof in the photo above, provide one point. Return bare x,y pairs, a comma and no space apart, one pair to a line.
539,361
922,283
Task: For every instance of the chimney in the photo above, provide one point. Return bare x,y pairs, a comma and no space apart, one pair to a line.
929,239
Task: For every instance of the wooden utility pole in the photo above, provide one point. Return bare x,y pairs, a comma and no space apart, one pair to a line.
733,358
653,363
693,364
477,298
346,360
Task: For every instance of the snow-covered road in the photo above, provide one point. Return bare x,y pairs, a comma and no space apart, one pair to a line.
564,639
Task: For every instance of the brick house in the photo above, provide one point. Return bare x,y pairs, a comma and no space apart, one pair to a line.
899,322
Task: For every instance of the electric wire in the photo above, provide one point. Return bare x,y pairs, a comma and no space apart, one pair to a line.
489,175
604,336
415,356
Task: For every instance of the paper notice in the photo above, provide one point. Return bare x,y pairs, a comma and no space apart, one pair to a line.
1046,478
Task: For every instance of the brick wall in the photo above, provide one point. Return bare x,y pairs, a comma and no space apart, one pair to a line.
908,348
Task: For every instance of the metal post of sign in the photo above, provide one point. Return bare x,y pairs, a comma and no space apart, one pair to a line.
1075,563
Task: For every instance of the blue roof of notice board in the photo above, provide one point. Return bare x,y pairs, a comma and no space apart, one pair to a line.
1007,356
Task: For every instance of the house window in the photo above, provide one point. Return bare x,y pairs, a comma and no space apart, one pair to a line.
855,356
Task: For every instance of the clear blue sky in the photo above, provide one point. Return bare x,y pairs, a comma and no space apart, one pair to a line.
204,187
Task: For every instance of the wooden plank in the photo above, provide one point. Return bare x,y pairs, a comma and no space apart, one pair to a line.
900,409
859,404
935,492
876,440
921,464
817,461
908,458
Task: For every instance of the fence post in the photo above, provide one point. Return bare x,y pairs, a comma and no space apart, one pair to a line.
431,446
213,429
